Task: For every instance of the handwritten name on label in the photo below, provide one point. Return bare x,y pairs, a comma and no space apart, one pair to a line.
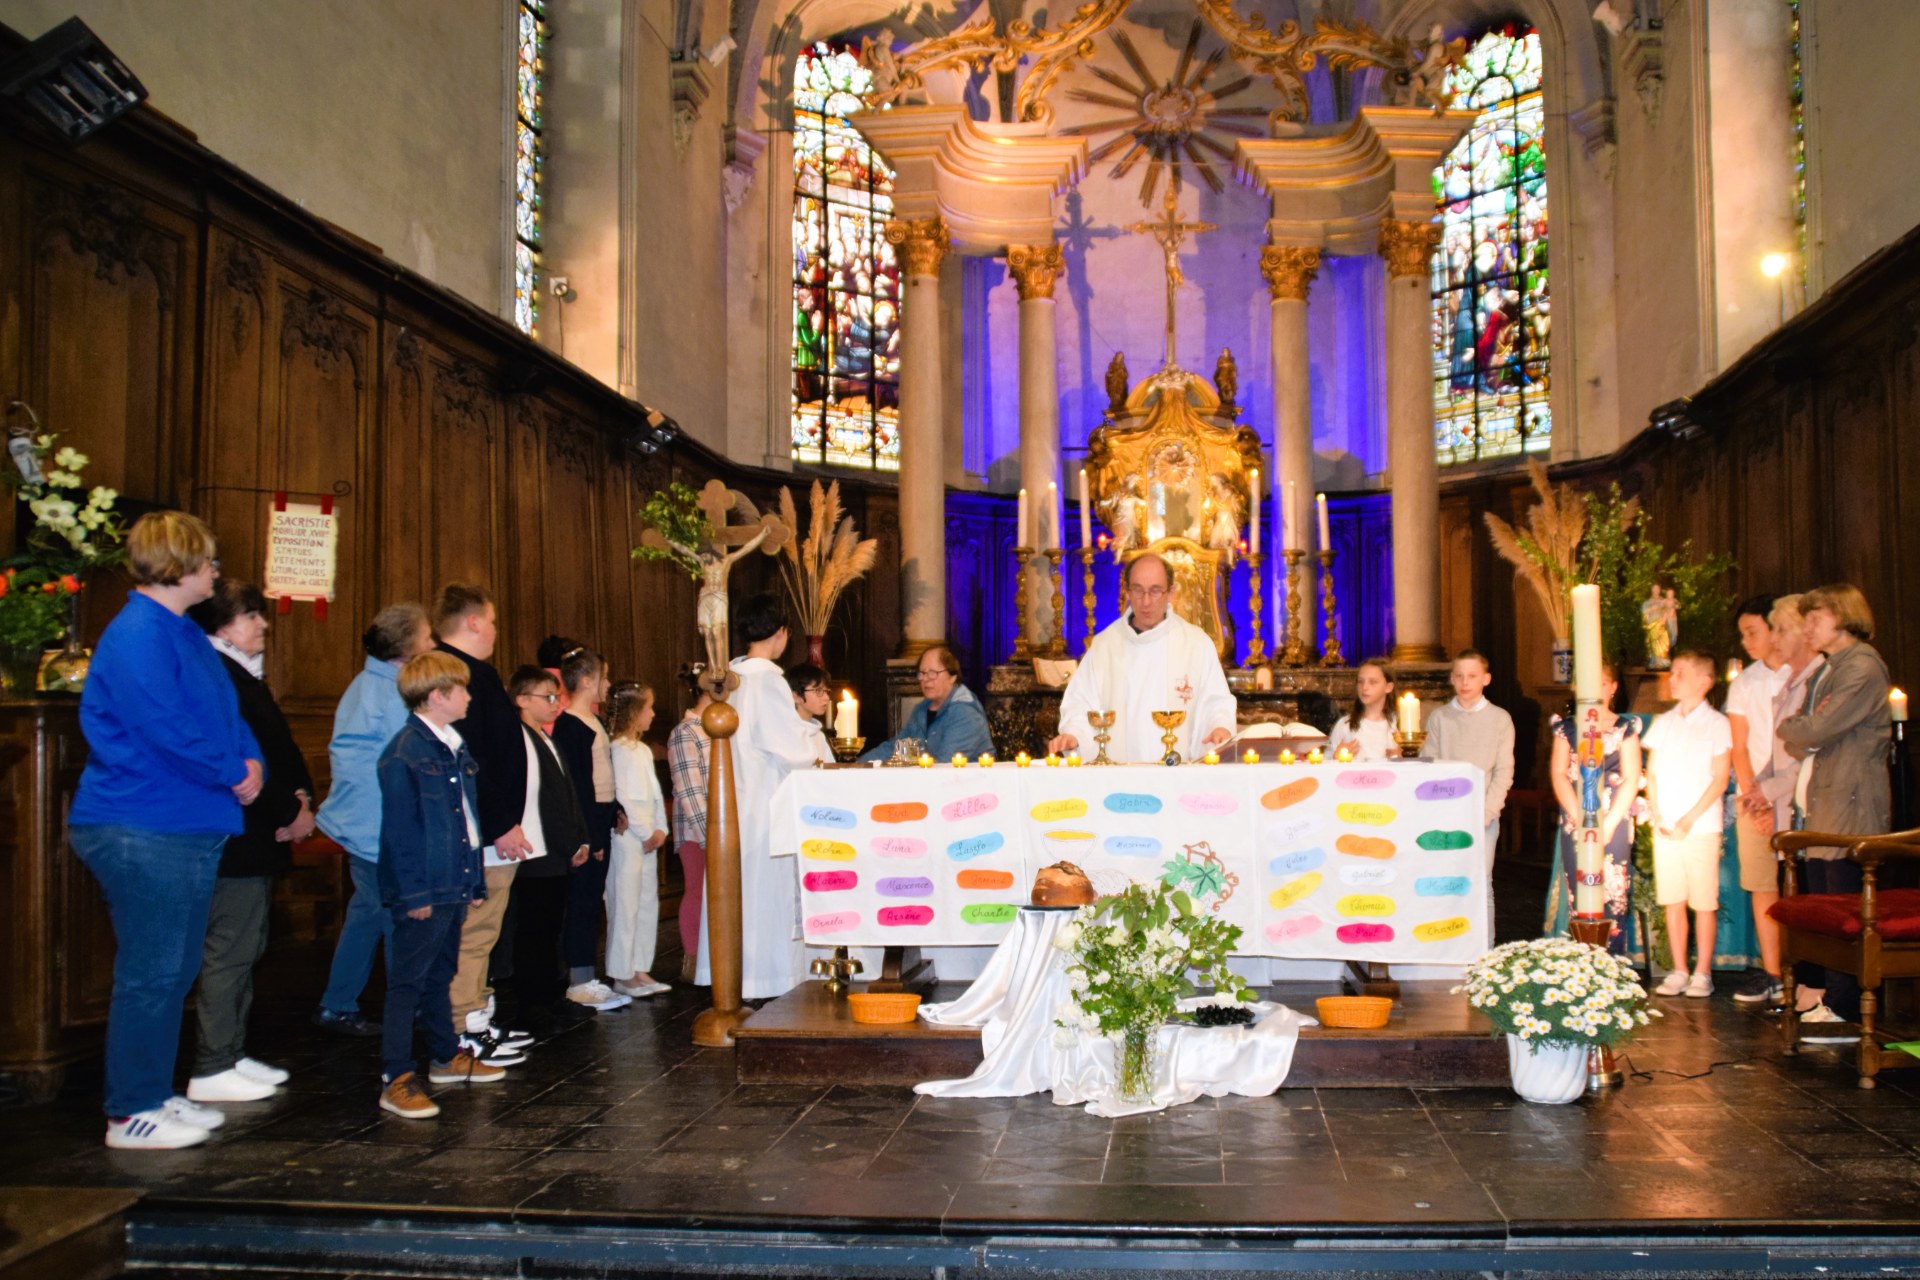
1436,930
976,846
1293,927
829,881
1294,890
1055,810
988,913
1372,815
1443,789
1368,877
893,917
1209,804
1290,793
1294,831
1365,846
826,850
1441,886
1365,904
981,878
1358,933
970,806
1364,779
898,847
832,922
820,815
1439,841
1131,846
1299,860
1132,802
904,811
903,886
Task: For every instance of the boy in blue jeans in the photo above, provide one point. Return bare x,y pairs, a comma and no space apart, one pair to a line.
429,873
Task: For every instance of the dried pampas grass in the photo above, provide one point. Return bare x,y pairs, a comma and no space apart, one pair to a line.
1546,554
830,559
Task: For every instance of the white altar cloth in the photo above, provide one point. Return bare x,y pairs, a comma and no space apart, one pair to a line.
1014,1002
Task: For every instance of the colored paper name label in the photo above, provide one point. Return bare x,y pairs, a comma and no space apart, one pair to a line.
1294,831
1209,804
1365,846
1132,846
1438,930
826,851
1055,810
1365,904
820,815
1299,860
1294,890
833,922
1293,927
1443,789
1131,802
969,806
1363,779
904,811
829,881
1441,886
898,847
976,846
989,913
982,878
1438,841
903,886
1368,877
894,917
1354,934
1372,815
1291,793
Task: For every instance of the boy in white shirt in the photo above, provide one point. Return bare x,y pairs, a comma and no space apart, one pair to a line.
1690,751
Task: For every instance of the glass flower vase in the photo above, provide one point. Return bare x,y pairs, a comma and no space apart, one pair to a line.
1135,1075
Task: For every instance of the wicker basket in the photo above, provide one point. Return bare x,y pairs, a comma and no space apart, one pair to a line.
884,1006
1358,1013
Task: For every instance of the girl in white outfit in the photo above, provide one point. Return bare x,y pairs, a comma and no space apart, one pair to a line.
1368,728
633,871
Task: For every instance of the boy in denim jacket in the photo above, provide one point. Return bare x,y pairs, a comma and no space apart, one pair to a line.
429,873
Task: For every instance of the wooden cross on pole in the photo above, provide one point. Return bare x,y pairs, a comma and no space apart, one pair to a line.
1171,233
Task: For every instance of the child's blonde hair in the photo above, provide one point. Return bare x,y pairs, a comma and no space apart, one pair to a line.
626,702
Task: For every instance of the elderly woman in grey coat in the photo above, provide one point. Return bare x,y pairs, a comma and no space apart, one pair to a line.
1845,726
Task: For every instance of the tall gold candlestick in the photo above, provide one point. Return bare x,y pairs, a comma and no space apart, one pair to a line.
1086,596
1022,651
1057,643
1297,651
1330,652
1256,599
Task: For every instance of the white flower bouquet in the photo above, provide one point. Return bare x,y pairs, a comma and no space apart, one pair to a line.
1556,991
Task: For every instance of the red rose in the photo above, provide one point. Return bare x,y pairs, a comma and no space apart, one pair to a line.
70,583
5,583
47,587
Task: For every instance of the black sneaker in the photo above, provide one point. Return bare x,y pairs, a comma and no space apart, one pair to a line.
1760,987
486,1047
512,1039
345,1024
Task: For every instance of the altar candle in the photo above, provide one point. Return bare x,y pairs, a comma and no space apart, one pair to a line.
1021,521
1086,512
1897,705
959,760
1054,516
1326,536
1314,756
1344,755
1073,760
925,761
1253,511
1053,760
846,716
1022,760
1586,643
986,760
1251,757
1212,757
1733,670
1286,755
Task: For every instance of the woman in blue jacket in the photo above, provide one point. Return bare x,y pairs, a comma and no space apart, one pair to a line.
949,719
170,763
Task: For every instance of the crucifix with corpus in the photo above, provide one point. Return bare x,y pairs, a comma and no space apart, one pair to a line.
1171,233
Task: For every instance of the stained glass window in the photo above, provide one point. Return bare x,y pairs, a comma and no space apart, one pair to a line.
528,72
846,282
1797,103
1490,298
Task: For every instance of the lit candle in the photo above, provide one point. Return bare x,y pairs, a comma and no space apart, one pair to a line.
1286,755
1022,522
1326,536
1212,757
1897,704
1053,761
1344,755
959,760
846,716
1586,643
1054,516
926,761
1252,757
1253,510
1022,760
1733,670
986,760
1314,756
1086,512
1409,712
1073,760
1103,542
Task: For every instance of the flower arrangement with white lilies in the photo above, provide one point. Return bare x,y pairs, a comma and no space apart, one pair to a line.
75,528
1556,991
1131,954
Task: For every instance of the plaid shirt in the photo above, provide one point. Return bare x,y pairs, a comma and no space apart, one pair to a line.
687,763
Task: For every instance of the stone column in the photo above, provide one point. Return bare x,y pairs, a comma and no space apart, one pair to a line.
923,245
1034,269
1290,270
1413,466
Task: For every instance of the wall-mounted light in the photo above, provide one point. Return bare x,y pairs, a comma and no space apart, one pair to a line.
1775,265
71,80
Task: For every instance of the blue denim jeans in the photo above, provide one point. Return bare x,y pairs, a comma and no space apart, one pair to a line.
367,924
425,954
158,885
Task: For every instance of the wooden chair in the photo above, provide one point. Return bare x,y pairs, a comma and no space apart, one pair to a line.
1873,935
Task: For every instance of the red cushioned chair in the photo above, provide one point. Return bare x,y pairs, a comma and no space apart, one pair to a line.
1873,935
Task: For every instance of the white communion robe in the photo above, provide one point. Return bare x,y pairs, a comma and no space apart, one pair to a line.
1171,667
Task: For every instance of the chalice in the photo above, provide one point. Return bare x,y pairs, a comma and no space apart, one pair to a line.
1171,722
1102,721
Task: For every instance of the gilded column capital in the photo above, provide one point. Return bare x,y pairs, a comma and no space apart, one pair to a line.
1289,270
1035,267
922,242
1408,247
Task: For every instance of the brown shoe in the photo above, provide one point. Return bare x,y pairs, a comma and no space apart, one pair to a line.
404,1097
465,1069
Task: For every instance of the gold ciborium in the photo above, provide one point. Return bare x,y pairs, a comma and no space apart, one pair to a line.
1102,722
837,970
1171,722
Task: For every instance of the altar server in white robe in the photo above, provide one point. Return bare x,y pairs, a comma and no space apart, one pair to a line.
771,742
1150,660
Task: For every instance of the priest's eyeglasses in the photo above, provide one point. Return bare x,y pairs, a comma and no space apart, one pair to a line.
1147,593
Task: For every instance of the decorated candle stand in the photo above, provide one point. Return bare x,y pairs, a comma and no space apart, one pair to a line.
1297,651
1589,923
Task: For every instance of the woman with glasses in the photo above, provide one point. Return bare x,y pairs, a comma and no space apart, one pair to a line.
948,720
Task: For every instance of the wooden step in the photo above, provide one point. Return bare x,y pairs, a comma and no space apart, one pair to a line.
63,1233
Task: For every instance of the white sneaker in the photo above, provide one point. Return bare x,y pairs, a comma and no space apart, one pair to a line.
1822,1019
155,1130
1699,986
1673,984
191,1113
231,1085
598,996
642,990
254,1069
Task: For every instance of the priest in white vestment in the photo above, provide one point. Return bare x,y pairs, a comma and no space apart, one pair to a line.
1150,660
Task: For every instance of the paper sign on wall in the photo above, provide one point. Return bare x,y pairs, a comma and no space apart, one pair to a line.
302,544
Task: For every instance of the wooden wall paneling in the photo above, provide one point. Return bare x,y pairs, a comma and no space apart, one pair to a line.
570,541
533,575
465,452
240,373
1899,631
401,479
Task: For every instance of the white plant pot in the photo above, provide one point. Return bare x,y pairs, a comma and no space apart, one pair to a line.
1547,1073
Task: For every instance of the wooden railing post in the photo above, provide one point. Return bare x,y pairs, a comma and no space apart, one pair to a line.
714,1028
